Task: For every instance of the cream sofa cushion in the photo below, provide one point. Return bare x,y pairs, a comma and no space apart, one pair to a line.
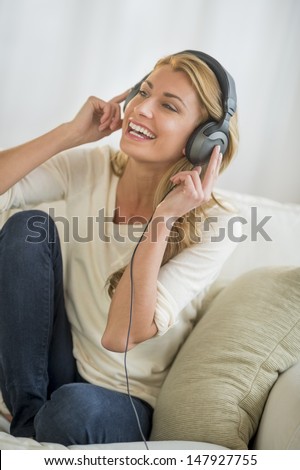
220,381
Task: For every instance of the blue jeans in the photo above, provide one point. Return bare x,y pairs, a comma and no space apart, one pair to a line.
38,377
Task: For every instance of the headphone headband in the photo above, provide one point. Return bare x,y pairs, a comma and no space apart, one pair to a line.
224,78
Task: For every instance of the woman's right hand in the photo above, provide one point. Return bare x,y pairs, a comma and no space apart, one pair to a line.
97,119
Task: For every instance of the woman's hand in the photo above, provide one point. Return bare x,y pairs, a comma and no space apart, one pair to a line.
97,119
190,191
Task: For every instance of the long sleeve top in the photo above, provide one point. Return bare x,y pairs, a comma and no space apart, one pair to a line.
94,247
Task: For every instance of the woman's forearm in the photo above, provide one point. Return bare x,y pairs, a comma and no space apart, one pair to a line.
17,162
95,120
146,265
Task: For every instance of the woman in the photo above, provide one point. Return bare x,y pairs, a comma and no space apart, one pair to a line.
114,303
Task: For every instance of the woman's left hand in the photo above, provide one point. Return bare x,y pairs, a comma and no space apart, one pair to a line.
190,191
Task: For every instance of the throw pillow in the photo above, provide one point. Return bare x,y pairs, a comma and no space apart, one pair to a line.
220,380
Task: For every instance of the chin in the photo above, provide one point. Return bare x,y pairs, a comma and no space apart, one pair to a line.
134,150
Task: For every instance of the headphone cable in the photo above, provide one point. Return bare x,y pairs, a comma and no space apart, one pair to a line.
130,321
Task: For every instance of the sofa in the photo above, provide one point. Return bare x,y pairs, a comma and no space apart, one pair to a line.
235,383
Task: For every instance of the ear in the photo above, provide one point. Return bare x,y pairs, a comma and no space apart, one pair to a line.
183,152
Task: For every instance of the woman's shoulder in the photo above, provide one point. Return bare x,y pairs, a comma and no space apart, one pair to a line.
95,156
82,168
84,163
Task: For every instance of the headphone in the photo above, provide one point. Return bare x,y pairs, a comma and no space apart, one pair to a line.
211,133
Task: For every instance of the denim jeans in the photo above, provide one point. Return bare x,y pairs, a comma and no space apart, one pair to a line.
38,377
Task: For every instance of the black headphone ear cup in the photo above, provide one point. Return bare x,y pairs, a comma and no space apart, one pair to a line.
203,140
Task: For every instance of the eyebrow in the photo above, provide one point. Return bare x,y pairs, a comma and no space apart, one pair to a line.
167,94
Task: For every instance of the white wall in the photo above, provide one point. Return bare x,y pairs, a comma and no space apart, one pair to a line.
55,53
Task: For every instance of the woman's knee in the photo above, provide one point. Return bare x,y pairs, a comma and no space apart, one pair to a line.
62,419
27,234
30,226
83,413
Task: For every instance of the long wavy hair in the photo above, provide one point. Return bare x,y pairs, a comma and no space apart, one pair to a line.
185,231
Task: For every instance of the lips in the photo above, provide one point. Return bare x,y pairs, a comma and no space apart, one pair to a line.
140,132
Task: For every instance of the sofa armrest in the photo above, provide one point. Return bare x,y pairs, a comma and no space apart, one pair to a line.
279,427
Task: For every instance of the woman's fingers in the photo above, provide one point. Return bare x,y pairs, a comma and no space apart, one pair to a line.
211,175
111,113
201,190
108,113
213,168
116,122
190,185
182,175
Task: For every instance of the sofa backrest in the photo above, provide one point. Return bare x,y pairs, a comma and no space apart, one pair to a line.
271,234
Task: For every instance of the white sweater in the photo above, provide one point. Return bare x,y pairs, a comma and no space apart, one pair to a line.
93,249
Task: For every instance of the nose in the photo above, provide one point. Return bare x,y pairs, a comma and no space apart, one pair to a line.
145,108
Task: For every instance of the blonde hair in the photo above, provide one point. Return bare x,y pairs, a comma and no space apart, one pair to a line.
184,231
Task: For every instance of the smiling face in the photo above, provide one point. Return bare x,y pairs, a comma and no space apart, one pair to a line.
160,118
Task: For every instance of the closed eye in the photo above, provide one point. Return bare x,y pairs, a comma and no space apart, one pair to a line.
170,107
143,93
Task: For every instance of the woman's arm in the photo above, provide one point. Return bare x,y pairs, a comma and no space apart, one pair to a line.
146,265
95,120
188,194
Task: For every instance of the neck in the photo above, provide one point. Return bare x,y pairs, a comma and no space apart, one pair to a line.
136,190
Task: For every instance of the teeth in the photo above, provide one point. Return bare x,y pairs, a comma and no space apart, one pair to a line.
141,130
